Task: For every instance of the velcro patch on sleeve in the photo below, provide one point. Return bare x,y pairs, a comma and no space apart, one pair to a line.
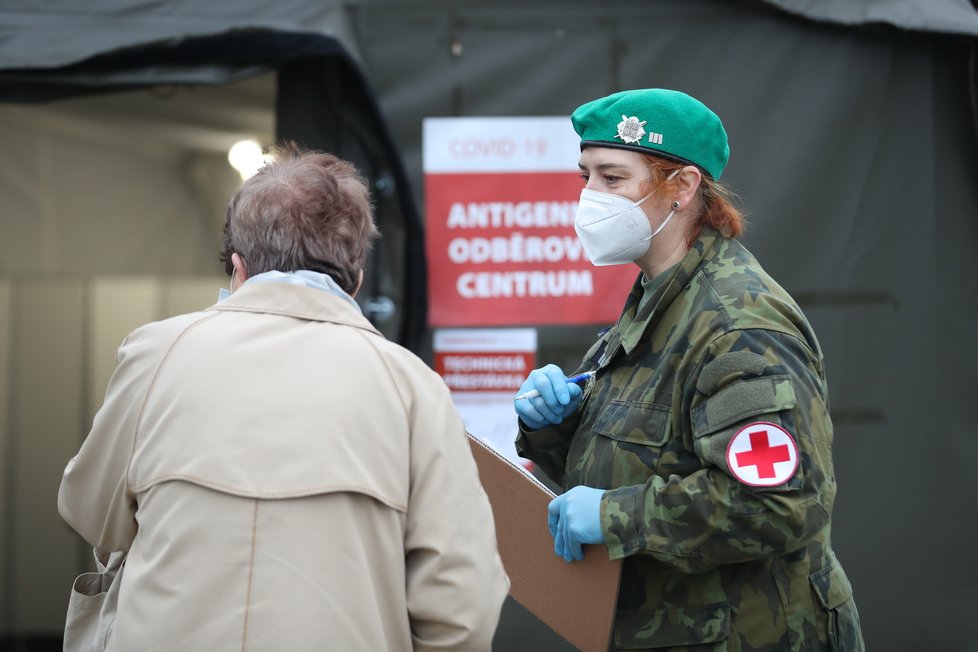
730,366
742,400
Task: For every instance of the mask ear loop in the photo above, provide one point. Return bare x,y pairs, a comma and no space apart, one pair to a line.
675,206
654,190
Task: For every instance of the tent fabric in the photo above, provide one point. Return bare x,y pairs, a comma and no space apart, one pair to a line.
58,33
941,16
218,58
67,51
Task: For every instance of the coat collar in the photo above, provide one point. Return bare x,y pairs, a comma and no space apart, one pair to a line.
294,301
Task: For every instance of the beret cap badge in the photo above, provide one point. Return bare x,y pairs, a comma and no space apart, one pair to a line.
630,129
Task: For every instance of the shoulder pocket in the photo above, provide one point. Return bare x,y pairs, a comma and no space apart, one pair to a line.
743,399
647,424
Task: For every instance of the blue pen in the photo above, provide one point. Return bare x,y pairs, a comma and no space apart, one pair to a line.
570,379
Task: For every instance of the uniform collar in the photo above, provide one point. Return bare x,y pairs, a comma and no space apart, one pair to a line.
634,323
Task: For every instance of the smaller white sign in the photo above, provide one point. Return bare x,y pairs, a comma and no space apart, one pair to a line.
484,368
459,145
494,340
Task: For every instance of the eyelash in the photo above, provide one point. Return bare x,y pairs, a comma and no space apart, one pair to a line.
610,180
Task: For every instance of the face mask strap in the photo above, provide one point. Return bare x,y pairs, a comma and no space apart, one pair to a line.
675,205
663,225
669,178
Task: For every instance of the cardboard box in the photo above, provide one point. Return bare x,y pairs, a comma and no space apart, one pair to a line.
576,599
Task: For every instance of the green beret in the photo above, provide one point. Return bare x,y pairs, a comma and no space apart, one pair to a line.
656,121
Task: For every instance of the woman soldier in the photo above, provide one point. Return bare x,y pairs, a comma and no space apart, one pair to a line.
699,451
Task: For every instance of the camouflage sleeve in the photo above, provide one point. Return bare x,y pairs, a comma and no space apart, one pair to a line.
709,517
548,447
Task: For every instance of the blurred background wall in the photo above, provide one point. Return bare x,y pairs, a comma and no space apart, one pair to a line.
110,214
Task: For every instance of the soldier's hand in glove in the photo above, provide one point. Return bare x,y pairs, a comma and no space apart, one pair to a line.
557,398
574,518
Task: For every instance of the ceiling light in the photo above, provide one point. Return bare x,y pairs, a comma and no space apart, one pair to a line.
246,157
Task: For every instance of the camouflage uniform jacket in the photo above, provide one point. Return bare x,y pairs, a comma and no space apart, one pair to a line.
708,560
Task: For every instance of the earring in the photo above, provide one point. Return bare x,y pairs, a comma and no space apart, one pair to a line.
675,205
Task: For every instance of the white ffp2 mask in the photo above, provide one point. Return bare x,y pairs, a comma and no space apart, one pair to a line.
612,229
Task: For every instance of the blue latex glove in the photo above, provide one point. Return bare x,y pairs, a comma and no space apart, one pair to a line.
557,399
574,518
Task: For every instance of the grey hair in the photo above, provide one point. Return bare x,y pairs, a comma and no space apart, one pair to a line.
304,210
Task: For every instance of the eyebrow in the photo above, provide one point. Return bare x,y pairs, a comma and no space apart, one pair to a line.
605,166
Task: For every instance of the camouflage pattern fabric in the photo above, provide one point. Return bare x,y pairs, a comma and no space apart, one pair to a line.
711,563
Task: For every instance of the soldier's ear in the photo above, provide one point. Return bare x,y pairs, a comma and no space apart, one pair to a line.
687,183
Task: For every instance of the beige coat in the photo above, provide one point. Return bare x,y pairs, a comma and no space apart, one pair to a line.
284,478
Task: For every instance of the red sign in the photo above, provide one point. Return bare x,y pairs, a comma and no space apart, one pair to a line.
484,372
499,222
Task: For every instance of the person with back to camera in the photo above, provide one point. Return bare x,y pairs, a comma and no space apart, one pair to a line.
700,450
282,476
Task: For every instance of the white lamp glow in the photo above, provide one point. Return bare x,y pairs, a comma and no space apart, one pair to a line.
246,157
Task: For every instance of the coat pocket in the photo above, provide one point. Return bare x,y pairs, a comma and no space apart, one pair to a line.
92,606
84,607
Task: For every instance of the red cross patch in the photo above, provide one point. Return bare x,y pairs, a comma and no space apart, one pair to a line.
762,455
